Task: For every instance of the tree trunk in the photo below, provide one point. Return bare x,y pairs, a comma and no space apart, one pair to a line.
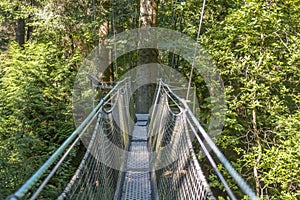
29,32
105,58
144,93
20,31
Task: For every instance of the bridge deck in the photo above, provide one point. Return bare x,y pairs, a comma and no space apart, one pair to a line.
137,183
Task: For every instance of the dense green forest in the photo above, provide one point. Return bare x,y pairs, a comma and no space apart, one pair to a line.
255,45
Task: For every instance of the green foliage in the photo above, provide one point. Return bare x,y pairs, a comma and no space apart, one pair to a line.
256,47
36,83
35,108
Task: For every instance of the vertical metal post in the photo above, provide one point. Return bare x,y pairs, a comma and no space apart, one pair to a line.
194,99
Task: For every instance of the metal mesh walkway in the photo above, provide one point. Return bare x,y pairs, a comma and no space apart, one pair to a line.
137,183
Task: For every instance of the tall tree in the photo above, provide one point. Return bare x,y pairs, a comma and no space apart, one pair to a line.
105,58
144,93
20,31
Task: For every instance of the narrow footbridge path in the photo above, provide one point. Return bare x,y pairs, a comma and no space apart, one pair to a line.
134,156
137,183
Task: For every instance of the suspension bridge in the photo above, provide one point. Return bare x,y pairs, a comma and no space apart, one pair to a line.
151,157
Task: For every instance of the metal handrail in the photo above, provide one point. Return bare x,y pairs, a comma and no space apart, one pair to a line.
235,175
21,192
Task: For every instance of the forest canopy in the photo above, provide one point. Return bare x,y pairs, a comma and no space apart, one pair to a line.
254,44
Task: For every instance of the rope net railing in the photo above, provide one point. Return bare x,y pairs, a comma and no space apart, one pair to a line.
97,176
105,130
172,130
179,175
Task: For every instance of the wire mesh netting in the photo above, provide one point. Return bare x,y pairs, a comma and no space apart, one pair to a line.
179,175
97,176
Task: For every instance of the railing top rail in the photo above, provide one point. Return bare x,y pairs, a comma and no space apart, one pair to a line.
21,192
235,175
